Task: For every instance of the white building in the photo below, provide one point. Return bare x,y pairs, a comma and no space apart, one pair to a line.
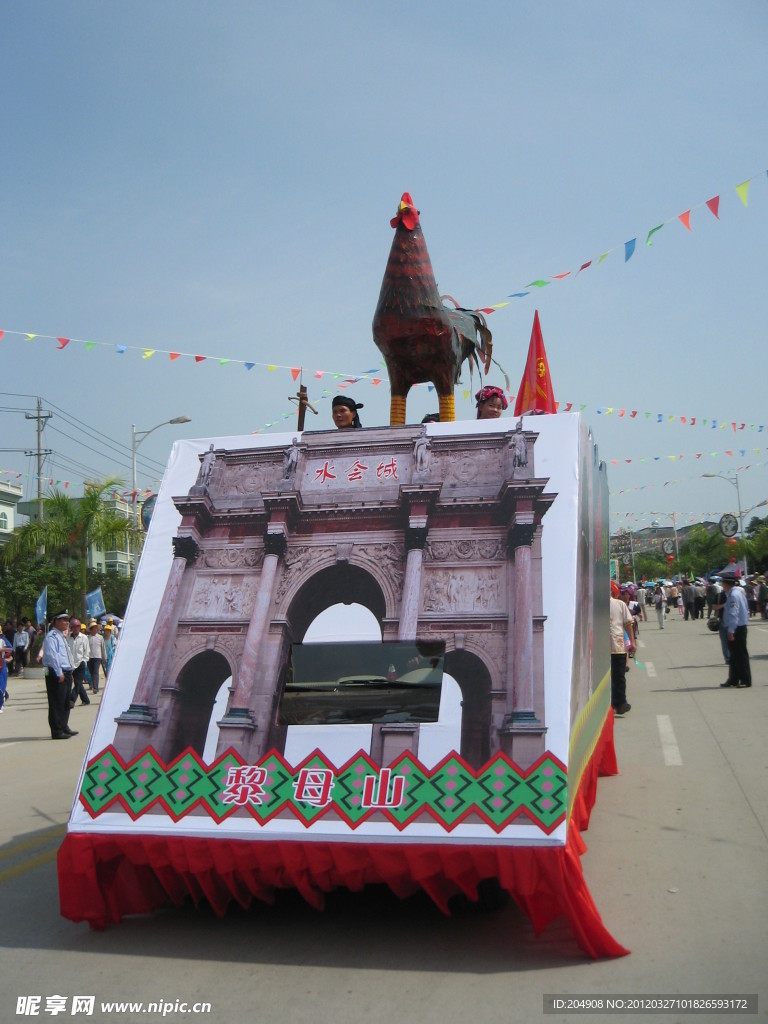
10,496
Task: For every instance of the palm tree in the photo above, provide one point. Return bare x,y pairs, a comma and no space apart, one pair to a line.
70,526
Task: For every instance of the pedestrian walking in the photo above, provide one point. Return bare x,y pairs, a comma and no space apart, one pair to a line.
622,630
20,649
80,649
659,604
97,658
735,619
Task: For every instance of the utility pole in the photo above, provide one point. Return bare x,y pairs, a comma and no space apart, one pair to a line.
40,416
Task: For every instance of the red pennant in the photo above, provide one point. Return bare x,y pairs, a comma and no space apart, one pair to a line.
535,392
63,342
714,206
295,372
174,355
685,219
584,266
200,359
2,335
569,407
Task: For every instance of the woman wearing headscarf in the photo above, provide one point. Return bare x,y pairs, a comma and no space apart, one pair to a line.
491,402
344,412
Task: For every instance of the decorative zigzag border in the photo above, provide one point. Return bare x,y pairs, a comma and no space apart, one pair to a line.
497,794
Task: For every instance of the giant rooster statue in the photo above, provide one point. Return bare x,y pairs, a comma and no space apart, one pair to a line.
421,340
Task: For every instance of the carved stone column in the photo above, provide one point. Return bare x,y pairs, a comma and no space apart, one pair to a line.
137,723
521,733
275,545
415,539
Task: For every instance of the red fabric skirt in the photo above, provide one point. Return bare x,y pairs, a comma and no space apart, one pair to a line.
102,878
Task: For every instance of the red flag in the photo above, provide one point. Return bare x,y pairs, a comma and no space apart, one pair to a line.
535,390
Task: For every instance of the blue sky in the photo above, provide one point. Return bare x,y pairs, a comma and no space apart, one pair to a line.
218,179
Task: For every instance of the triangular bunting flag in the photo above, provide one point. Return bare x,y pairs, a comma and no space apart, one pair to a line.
713,205
63,342
295,371
685,219
174,355
629,248
148,353
653,232
742,190
200,359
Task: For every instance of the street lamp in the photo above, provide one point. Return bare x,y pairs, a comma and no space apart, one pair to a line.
734,480
673,517
137,436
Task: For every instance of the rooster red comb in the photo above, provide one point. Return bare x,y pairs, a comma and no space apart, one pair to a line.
407,214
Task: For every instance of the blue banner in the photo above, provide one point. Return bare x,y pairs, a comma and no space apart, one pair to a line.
41,606
94,603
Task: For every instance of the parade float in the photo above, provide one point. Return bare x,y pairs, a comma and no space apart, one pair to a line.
253,738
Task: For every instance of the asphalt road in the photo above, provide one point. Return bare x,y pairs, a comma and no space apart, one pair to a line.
678,851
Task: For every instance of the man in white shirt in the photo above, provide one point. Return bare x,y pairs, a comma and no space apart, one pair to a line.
622,633
58,677
80,650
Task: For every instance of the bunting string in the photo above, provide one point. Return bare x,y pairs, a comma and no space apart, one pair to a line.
375,377
128,496
629,247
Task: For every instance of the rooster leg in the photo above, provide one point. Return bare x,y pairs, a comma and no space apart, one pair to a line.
397,411
447,408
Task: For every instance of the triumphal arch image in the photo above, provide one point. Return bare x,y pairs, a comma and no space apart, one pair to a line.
437,532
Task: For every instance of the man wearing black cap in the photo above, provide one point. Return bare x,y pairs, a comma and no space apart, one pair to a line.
735,619
58,677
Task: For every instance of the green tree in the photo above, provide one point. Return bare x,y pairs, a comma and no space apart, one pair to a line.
703,551
651,566
22,580
755,525
70,526
760,546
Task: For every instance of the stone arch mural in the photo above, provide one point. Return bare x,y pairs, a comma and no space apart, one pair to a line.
438,535
339,583
194,694
474,679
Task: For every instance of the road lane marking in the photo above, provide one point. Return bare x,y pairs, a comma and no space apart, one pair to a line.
28,865
650,668
53,835
669,747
